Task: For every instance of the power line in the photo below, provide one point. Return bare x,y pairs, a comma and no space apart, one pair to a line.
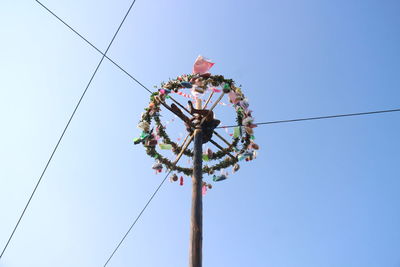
137,218
320,118
92,45
65,129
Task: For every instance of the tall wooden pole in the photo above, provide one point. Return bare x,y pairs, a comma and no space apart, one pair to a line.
196,220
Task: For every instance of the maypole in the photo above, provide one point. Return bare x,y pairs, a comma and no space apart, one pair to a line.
200,123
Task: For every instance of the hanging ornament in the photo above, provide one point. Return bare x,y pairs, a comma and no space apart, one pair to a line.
142,138
247,121
144,125
221,177
186,84
253,145
197,91
151,142
209,153
174,178
165,146
164,91
181,181
204,189
244,104
236,132
157,167
249,155
249,130
200,82
233,97
137,140
226,88
236,167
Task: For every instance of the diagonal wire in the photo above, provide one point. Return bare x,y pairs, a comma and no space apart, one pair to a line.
65,129
137,218
321,117
92,45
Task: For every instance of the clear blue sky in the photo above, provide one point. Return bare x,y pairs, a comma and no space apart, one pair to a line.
321,193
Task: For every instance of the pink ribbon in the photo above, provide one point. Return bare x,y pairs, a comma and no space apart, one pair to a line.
202,65
216,90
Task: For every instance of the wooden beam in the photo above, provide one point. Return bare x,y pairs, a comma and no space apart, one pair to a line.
179,104
184,146
208,100
216,102
223,139
212,107
220,147
181,116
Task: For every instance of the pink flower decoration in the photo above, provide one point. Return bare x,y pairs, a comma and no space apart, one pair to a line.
202,65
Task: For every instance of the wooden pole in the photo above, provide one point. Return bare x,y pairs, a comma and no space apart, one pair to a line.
208,100
184,146
179,104
213,106
196,220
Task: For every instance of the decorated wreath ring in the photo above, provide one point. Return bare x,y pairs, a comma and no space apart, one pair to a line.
242,145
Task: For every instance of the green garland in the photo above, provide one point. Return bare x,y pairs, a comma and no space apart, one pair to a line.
201,82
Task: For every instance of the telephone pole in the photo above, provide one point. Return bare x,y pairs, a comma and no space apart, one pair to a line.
196,220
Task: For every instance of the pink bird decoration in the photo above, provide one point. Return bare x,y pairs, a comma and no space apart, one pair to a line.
202,65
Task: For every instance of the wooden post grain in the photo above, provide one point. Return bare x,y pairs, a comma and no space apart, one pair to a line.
196,220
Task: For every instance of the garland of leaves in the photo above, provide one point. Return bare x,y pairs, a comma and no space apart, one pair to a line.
198,82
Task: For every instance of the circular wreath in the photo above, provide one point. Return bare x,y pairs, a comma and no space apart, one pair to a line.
242,144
